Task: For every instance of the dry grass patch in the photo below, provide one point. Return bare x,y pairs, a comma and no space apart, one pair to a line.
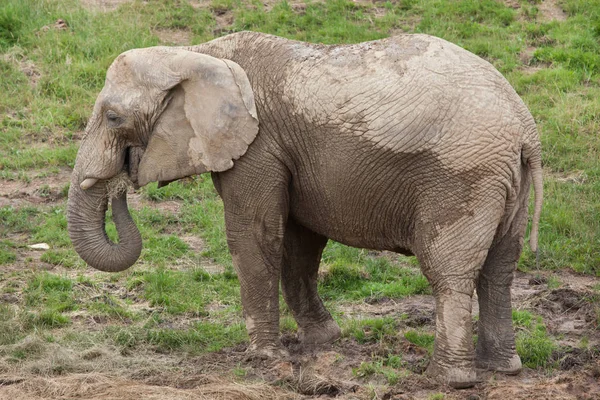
100,386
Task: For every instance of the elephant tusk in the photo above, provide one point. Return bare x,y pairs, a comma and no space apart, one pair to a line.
88,183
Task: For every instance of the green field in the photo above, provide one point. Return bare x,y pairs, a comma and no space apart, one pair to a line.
178,309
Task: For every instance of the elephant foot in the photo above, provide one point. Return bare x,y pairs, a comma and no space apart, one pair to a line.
326,332
458,378
271,352
509,365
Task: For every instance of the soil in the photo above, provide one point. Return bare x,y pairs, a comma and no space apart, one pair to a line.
178,37
38,189
551,11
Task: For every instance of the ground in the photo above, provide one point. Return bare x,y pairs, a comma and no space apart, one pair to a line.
359,366
171,327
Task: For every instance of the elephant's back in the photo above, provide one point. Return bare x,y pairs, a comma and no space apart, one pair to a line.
409,93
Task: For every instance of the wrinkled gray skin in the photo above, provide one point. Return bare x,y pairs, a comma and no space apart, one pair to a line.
409,144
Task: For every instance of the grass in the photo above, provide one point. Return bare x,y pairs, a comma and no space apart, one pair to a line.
370,330
168,302
386,368
7,254
355,274
534,345
424,340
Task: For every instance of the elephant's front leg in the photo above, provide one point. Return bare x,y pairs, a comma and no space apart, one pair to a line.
255,223
302,255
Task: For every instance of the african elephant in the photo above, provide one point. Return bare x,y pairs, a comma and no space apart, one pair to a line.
409,144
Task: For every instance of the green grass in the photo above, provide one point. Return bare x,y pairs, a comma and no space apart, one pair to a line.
66,258
354,274
534,345
10,331
424,340
188,291
333,21
45,319
370,330
200,338
52,292
437,396
383,367
7,254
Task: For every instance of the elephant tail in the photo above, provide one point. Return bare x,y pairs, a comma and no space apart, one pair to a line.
532,156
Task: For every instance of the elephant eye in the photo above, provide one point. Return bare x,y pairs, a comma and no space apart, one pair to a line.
112,116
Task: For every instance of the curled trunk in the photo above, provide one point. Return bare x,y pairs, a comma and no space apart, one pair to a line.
86,212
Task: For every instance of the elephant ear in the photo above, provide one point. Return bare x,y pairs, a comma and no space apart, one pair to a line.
208,123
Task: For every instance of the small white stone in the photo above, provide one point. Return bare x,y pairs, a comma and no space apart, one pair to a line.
39,246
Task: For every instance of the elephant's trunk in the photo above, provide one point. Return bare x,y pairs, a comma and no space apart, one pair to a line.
86,211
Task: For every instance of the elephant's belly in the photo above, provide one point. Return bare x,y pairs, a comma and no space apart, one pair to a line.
369,198
353,226
357,209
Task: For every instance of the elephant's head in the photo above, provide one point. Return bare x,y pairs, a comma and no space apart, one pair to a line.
162,115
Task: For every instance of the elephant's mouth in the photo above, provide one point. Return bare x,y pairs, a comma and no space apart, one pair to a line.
130,168
129,171
133,156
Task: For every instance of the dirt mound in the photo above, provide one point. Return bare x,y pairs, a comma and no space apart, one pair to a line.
569,313
569,358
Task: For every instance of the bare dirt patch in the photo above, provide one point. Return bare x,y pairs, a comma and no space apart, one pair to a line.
571,386
200,3
416,310
514,4
224,20
59,25
576,177
568,313
551,11
174,36
526,55
39,190
197,246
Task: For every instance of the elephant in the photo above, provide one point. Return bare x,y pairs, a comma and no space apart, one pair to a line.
408,144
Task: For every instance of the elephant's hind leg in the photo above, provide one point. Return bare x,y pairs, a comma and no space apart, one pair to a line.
301,258
451,257
496,338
